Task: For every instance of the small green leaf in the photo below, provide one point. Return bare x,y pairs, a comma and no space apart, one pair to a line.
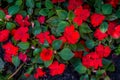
84,28
56,44
24,45
66,54
37,29
30,3
44,12
48,4
80,68
48,63
70,15
90,44
62,14
104,27
15,61
10,25
18,2
36,51
84,77
2,14
13,9
1,64
106,9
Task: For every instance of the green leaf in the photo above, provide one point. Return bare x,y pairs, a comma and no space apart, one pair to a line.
38,5
106,9
36,51
100,72
84,77
70,15
84,28
18,2
48,4
56,44
44,12
117,50
10,25
15,61
37,29
104,27
48,63
62,14
30,3
24,45
90,44
2,14
1,64
66,54
80,68
13,9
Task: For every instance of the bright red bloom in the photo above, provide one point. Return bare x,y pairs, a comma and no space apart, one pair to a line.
71,35
63,39
10,49
57,1
73,4
41,19
103,51
111,27
46,54
100,35
39,73
45,36
21,34
114,3
23,22
116,32
23,57
4,34
78,54
56,68
97,19
81,15
92,60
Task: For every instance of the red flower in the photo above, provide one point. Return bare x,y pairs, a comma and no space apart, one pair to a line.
4,34
46,54
100,35
41,19
78,54
22,22
39,73
56,68
92,60
63,39
71,35
23,57
10,49
81,15
73,4
114,3
97,19
27,75
116,32
111,27
45,36
103,51
8,58
21,34
57,1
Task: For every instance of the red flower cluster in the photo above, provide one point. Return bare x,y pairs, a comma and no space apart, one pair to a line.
4,34
46,54
73,4
78,54
116,32
23,22
103,51
100,35
57,1
97,19
56,68
114,3
71,35
45,36
10,50
92,60
81,15
39,73
21,34
41,19
23,57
